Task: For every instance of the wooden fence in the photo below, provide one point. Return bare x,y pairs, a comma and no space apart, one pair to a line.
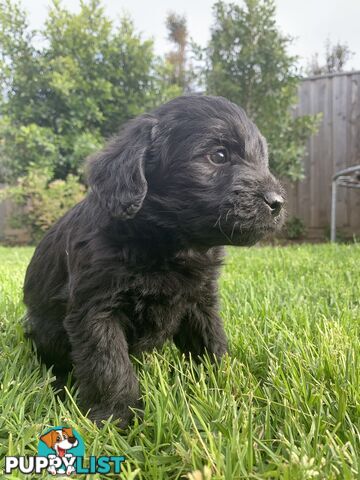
8,233
334,147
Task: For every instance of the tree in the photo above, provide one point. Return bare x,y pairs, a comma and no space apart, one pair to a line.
336,57
180,72
62,98
177,34
246,60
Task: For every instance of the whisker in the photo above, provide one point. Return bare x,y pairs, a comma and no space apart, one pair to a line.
233,229
221,230
226,217
217,221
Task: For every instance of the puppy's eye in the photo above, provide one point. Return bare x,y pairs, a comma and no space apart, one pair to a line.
218,158
58,439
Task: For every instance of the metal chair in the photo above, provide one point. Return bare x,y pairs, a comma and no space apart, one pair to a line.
348,178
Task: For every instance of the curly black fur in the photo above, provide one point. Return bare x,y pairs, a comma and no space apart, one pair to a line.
137,262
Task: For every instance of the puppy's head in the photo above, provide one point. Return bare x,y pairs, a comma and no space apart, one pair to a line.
60,440
196,164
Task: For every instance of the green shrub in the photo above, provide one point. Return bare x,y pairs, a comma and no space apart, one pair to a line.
61,97
294,228
41,201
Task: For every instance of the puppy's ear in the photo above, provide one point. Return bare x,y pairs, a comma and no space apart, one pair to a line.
49,438
68,431
116,174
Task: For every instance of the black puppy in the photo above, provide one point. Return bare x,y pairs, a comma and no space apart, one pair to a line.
136,262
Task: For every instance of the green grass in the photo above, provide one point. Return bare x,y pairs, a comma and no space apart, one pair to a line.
285,403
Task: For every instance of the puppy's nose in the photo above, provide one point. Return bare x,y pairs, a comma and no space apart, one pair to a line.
72,440
274,201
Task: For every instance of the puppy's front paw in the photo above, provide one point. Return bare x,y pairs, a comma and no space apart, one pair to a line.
217,350
70,469
98,413
52,470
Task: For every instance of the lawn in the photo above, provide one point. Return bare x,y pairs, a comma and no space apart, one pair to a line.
285,403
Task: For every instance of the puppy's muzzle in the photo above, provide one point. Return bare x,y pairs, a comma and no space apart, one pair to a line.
72,440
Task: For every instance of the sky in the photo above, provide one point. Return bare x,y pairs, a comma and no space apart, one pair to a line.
309,22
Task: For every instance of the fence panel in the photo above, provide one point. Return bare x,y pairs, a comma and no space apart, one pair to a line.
334,147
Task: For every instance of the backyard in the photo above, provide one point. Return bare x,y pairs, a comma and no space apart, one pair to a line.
284,404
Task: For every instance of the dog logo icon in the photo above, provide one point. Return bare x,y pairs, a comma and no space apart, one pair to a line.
61,445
